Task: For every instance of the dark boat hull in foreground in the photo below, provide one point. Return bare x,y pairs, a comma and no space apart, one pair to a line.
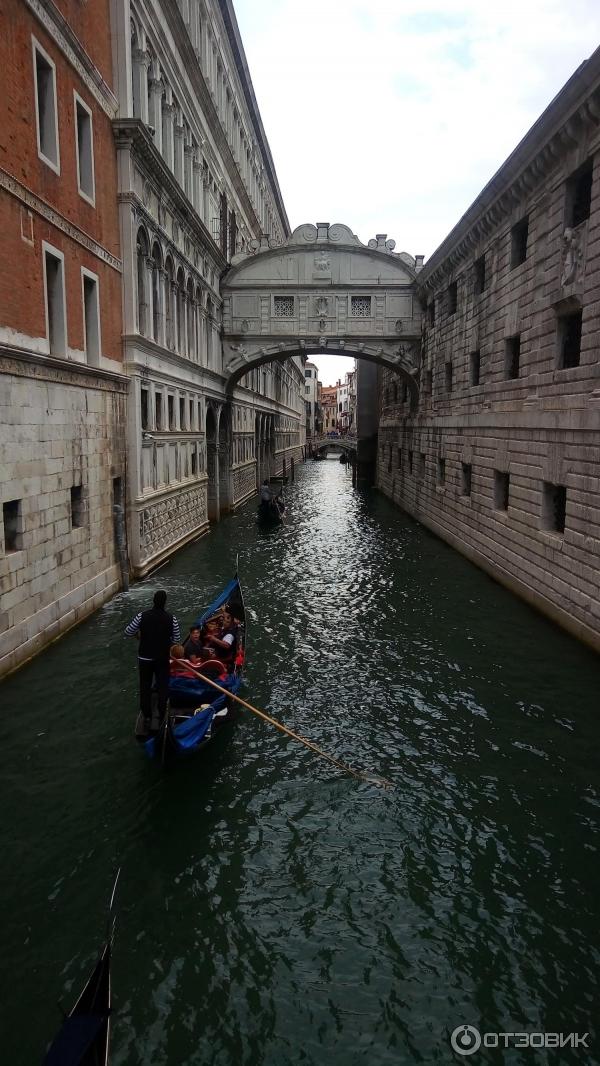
197,712
84,1037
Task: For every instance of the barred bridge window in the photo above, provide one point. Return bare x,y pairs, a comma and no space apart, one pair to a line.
284,306
360,306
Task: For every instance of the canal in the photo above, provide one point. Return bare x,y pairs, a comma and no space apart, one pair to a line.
272,910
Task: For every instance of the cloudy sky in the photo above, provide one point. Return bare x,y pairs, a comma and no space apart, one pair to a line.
391,115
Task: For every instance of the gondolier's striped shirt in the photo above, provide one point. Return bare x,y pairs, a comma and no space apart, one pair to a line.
134,627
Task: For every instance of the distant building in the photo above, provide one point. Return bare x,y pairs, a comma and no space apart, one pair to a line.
329,408
346,402
311,399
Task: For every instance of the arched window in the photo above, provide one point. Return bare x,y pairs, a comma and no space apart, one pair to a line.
209,330
180,311
169,304
191,345
156,294
198,324
142,288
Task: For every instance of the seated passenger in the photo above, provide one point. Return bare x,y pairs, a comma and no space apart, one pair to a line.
223,637
193,644
180,667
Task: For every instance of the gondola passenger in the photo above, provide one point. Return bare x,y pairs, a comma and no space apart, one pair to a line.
193,644
224,638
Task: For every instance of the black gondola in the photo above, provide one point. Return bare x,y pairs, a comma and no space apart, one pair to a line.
197,712
272,512
84,1036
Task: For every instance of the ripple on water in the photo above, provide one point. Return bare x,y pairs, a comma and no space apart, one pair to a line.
272,910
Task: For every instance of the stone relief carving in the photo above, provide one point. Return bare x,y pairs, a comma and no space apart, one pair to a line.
573,256
321,305
322,263
245,326
166,522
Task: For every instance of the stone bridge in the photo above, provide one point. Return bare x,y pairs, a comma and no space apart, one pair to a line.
322,291
345,444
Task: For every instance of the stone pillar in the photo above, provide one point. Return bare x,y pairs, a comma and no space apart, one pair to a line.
141,62
155,115
197,190
168,144
179,153
162,326
188,171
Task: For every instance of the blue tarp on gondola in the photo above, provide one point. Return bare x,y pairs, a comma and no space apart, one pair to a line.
229,593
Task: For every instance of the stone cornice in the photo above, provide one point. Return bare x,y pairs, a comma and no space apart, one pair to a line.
50,214
22,363
562,126
192,67
61,33
228,15
132,134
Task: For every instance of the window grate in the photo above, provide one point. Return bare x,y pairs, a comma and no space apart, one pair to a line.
360,306
283,307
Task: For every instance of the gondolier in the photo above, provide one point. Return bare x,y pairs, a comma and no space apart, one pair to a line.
157,631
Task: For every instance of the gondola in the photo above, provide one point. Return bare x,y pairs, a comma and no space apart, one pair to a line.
84,1036
197,712
271,512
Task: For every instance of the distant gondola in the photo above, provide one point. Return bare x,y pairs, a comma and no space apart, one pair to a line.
84,1036
271,512
196,711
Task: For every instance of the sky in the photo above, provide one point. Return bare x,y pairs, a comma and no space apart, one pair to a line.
391,115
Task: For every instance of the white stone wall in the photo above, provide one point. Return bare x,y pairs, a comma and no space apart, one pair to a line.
57,429
540,425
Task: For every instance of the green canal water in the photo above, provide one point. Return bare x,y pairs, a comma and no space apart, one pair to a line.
273,911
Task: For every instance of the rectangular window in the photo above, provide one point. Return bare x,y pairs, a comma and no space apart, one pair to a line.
76,507
578,197
13,528
194,462
441,471
512,356
422,465
465,479
84,150
518,243
554,507
191,410
91,317
431,312
307,390
158,410
452,298
569,340
475,367
501,489
144,407
360,306
428,381
181,413
283,306
448,377
46,113
56,315
410,462
479,275
308,373
171,411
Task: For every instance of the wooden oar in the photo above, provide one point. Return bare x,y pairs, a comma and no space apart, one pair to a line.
379,781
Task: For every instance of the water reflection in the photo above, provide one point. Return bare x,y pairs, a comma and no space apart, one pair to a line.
272,910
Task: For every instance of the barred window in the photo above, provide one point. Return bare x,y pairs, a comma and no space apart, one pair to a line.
360,306
284,307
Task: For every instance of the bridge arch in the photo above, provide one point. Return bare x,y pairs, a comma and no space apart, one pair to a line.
322,290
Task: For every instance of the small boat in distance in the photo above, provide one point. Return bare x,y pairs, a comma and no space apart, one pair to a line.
84,1036
197,712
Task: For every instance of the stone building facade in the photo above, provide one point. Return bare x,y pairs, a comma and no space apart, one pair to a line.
62,389
501,456
197,186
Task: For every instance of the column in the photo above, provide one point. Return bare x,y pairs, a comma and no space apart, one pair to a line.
188,170
141,62
155,116
168,117
179,152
